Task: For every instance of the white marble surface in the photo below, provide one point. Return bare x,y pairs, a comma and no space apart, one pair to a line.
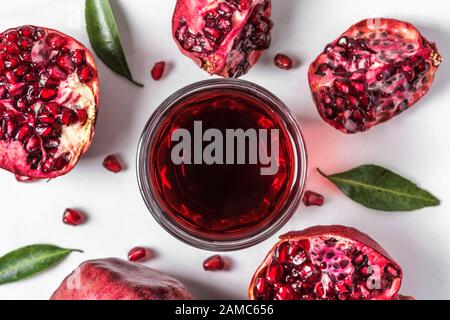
416,144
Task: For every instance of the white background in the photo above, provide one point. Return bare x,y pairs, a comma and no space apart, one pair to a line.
415,144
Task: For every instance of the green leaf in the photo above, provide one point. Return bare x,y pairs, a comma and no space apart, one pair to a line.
29,261
104,36
378,188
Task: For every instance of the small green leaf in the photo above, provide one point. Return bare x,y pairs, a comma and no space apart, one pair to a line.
29,261
105,39
378,188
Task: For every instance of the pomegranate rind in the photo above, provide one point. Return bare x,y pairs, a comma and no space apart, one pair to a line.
405,32
116,279
13,156
225,58
334,231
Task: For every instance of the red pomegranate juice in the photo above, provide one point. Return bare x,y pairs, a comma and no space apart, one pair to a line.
224,200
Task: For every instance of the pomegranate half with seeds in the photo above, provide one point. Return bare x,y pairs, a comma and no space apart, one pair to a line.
327,263
373,72
224,37
48,102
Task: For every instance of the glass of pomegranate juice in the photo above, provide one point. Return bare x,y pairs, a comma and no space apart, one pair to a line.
222,164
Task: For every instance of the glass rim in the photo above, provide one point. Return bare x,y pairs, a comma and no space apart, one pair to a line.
297,187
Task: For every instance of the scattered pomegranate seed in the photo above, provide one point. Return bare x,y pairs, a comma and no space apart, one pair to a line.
214,263
139,254
158,70
73,217
112,164
313,199
282,61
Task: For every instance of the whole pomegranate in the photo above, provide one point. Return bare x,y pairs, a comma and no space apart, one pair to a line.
48,102
327,263
373,72
116,279
224,37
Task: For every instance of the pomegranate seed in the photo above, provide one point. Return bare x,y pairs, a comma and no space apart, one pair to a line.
274,273
67,116
27,31
32,144
112,164
12,49
12,62
73,217
12,35
64,61
260,287
53,108
79,57
25,43
55,41
283,62
158,70
56,73
86,74
139,254
49,93
82,116
313,199
214,263
285,293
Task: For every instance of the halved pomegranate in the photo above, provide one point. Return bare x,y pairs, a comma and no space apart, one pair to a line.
373,72
48,102
327,263
224,37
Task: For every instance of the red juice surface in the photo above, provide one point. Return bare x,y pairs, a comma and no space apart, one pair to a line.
221,201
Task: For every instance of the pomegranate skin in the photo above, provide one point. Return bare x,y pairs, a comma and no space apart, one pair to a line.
375,255
223,37
116,279
373,72
59,75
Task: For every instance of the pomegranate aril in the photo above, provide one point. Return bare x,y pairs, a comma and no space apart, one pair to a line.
12,62
274,273
285,293
139,254
61,162
73,217
12,35
158,70
12,77
214,263
313,199
283,62
79,57
112,164
56,73
68,117
27,31
86,74
32,144
24,133
282,253
52,143
52,108
12,48
44,130
64,61
25,43
82,116
48,94
55,41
